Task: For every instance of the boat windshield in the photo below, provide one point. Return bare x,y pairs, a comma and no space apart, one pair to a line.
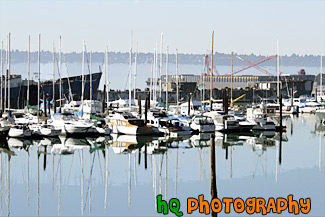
203,120
65,117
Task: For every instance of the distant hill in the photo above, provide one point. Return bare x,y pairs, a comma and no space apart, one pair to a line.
219,58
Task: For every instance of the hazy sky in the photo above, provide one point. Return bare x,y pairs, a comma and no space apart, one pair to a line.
240,26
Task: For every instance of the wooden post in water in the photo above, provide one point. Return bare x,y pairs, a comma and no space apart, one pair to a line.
280,100
145,156
226,152
54,106
45,153
139,156
139,104
316,94
189,105
226,99
213,167
292,98
146,110
223,98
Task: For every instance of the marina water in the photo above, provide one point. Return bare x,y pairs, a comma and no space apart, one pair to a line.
109,178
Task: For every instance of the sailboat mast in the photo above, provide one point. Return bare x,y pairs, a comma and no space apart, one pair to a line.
130,73
177,99
156,72
160,65
53,79
91,79
28,70
167,79
5,93
321,77
154,82
278,70
60,74
106,77
39,75
211,74
9,60
135,72
1,95
232,71
151,81
83,72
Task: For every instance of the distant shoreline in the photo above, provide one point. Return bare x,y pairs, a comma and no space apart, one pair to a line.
146,58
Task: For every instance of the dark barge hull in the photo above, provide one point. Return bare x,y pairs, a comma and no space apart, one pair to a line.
18,95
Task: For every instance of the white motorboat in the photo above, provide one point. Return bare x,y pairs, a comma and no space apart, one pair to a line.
306,105
19,131
222,121
166,125
244,124
125,123
202,124
259,117
69,124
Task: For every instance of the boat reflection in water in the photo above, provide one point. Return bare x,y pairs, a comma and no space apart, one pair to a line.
111,175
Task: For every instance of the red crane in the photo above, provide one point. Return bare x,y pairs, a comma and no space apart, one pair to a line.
255,66
251,64
207,66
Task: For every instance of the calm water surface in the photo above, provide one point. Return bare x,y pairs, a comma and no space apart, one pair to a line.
121,175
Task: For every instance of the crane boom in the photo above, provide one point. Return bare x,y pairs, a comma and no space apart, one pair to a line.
251,65
255,66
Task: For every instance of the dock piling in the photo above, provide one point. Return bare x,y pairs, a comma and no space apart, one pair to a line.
189,105
139,104
213,167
